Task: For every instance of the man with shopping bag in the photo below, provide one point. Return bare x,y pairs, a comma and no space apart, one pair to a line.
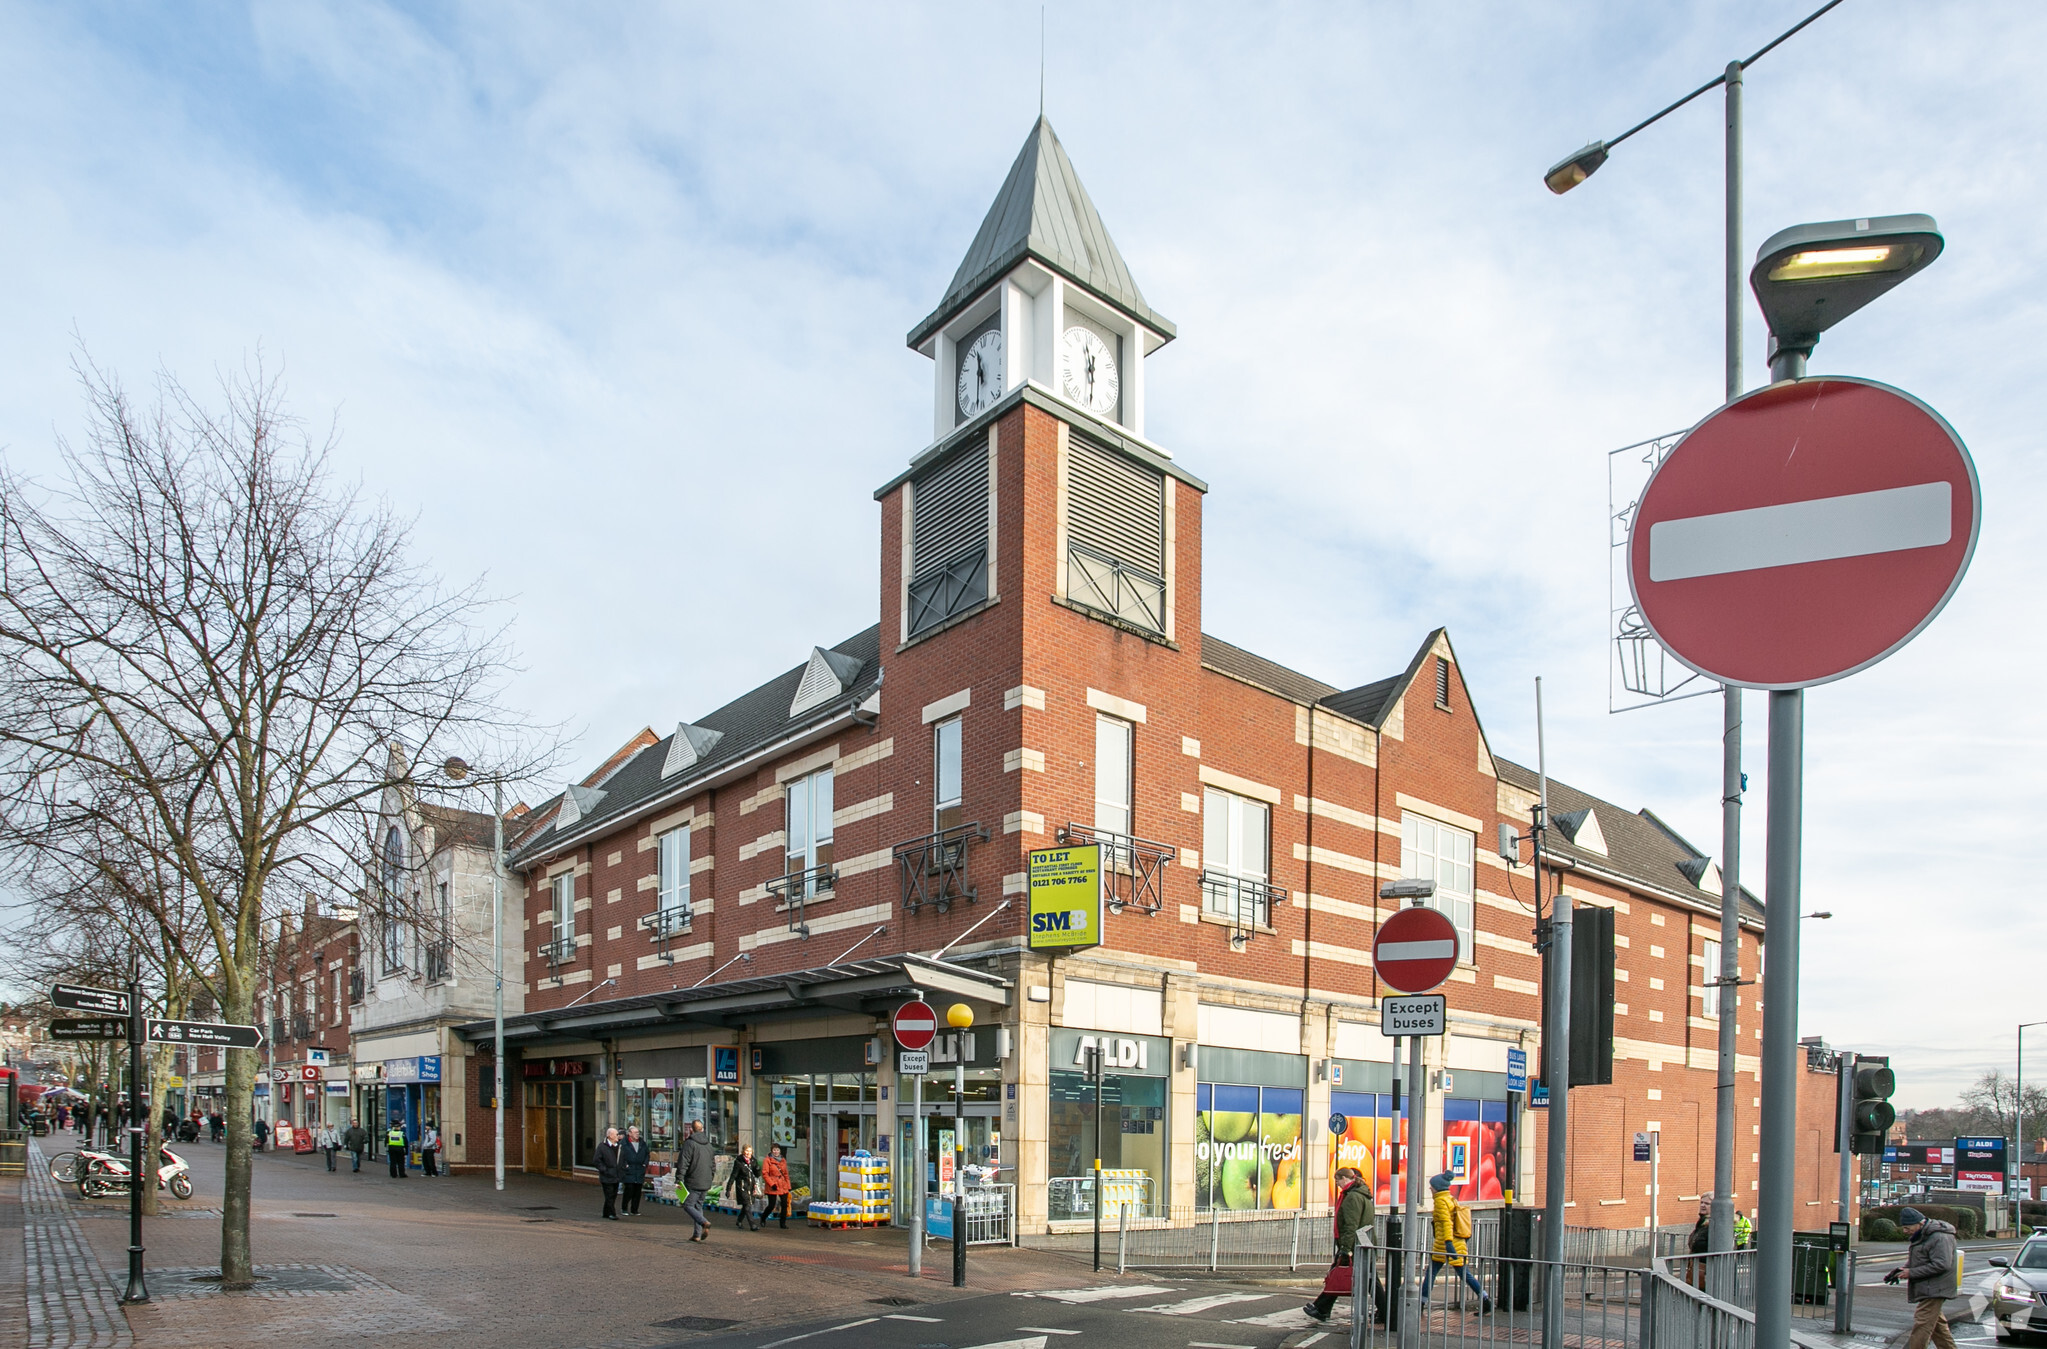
1355,1215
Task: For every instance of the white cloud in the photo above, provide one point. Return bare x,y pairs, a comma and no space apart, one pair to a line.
617,299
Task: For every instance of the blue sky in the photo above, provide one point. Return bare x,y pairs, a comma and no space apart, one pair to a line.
605,293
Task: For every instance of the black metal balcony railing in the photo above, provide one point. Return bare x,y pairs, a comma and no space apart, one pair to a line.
1246,904
797,888
440,961
355,986
277,1028
1132,868
302,1026
560,951
669,922
933,869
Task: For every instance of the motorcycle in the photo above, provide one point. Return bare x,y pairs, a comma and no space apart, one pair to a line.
107,1174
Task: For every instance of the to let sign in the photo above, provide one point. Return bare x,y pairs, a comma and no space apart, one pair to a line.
1803,532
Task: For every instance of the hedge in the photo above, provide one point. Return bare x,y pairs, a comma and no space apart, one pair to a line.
1967,1222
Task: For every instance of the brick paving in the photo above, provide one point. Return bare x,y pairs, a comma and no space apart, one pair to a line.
363,1256
72,1302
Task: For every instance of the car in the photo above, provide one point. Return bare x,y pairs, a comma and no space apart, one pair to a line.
2017,1290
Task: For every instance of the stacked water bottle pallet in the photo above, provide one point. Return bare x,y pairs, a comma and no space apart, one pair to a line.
864,1194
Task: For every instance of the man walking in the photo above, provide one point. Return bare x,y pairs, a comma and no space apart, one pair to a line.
429,1150
608,1173
1930,1277
394,1147
696,1169
632,1171
357,1140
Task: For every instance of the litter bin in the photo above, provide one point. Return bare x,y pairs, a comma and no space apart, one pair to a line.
1812,1267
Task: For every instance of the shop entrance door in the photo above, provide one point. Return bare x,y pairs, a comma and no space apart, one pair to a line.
832,1137
983,1124
550,1128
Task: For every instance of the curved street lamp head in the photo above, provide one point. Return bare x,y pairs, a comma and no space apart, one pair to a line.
1570,172
457,768
1810,277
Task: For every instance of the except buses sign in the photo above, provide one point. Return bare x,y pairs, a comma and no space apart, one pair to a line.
1066,896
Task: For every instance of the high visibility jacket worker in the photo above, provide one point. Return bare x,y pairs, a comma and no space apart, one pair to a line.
394,1145
1744,1231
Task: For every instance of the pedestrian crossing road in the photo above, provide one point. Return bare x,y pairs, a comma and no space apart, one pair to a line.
1126,1315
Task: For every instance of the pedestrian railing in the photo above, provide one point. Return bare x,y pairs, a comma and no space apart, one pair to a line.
1493,1300
990,1215
1141,1237
1822,1281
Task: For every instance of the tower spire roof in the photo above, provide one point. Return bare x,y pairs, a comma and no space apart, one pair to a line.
1043,212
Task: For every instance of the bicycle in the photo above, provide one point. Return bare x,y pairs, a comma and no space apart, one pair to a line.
67,1168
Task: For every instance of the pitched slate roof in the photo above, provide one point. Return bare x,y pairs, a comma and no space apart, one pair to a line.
1043,212
1638,845
746,724
1230,659
458,828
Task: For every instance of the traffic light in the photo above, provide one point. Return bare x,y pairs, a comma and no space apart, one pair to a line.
1869,1095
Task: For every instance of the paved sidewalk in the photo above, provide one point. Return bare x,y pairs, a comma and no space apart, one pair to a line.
348,1257
72,1302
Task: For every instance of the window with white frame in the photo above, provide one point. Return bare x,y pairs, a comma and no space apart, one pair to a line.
397,938
1708,972
396,933
1236,858
946,808
565,909
1114,742
810,825
339,1002
674,851
1433,851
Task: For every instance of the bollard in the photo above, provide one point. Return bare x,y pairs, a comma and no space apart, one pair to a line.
1293,1259
1214,1235
1122,1236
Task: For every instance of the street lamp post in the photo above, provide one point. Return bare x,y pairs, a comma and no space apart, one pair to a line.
2018,1122
458,769
1560,179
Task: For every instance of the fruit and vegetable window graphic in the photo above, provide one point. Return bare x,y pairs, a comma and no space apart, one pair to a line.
1373,1140
1247,1147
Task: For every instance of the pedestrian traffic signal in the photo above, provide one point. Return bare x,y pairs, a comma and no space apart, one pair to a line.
1873,1116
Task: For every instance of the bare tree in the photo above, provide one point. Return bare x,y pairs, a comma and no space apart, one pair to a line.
209,649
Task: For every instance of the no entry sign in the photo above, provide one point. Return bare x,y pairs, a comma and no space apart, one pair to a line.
915,1025
1803,532
1415,950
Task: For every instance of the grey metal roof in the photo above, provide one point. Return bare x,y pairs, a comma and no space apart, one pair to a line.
745,724
1044,213
1638,845
872,986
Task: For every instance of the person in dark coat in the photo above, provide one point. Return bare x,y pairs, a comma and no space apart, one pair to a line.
262,1134
1355,1216
608,1173
357,1140
632,1171
696,1170
743,1185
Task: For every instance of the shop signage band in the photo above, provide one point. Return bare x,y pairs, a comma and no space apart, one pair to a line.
86,998
89,1028
1428,1014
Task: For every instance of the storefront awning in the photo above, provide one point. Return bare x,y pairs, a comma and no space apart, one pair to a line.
874,987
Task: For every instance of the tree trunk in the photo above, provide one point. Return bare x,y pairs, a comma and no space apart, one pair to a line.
236,1270
153,1141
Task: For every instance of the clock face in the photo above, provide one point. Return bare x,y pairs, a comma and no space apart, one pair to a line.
981,374
1087,373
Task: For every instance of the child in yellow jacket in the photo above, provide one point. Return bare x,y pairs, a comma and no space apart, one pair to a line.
1449,1248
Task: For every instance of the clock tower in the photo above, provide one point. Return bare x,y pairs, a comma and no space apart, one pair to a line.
1043,297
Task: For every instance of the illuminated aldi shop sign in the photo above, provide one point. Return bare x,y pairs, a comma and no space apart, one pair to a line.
1066,897
1979,1165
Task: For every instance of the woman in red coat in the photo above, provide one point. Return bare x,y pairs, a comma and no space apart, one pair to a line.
775,1183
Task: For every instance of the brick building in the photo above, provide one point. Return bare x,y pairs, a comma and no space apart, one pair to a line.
717,922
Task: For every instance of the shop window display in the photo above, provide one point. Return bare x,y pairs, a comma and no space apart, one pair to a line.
1475,1148
1373,1140
1133,1137
1247,1147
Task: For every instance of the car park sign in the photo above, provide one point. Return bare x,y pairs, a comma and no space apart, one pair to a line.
1803,532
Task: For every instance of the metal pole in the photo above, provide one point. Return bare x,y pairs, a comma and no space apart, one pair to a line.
1094,1067
1720,1226
1556,1070
138,1290
959,1160
916,1164
1779,1139
1846,1138
1655,1187
497,946
1417,1119
2018,1129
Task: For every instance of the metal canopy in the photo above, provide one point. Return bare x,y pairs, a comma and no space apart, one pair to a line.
871,986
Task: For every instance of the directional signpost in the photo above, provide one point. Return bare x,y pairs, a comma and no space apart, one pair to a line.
211,1033
89,1028
86,998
